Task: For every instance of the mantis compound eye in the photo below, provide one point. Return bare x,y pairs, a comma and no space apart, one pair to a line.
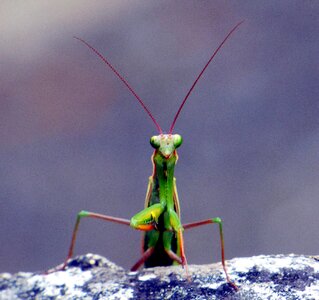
178,140
155,142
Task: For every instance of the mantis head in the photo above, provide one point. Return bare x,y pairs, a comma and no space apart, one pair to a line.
166,144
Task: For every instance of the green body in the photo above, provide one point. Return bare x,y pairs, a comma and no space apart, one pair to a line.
161,216
160,219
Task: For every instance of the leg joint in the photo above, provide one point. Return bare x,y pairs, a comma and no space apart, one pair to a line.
83,213
217,220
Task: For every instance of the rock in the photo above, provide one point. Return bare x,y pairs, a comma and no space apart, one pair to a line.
94,277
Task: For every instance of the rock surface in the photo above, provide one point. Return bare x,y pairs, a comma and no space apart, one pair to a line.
288,277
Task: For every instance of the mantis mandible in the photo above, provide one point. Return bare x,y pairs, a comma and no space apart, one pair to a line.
160,219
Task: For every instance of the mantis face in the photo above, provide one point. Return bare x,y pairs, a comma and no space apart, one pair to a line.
166,144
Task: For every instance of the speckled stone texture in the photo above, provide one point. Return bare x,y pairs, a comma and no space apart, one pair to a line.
289,277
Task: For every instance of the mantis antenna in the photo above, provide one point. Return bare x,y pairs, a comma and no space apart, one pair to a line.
200,75
123,80
139,99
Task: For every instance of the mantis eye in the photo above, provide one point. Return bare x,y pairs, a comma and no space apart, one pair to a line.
178,140
155,142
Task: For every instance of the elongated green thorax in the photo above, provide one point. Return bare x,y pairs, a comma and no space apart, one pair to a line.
164,158
160,217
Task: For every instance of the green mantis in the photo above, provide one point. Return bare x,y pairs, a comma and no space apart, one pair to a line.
160,219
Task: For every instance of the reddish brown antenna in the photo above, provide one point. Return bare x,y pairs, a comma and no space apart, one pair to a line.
123,80
200,74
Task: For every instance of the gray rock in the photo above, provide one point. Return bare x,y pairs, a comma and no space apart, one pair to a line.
94,277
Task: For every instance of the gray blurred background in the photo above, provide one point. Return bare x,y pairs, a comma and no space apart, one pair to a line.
73,137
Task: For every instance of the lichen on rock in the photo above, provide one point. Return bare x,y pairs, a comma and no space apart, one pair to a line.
94,277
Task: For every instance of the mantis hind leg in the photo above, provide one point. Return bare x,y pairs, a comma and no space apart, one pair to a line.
151,246
145,256
172,221
221,234
85,214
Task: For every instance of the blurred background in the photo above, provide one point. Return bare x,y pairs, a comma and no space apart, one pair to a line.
73,137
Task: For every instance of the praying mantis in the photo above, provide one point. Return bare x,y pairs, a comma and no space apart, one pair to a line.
160,219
